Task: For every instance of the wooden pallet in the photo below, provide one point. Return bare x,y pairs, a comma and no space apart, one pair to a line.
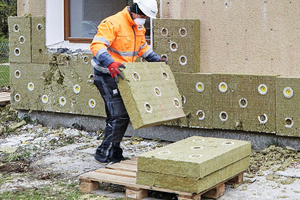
4,98
124,174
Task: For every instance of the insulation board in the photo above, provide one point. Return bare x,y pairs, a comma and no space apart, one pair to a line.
150,94
256,103
192,185
195,89
19,39
193,164
194,157
56,88
178,41
40,52
287,106
244,102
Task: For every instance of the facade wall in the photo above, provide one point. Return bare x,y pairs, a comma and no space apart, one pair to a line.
32,7
239,36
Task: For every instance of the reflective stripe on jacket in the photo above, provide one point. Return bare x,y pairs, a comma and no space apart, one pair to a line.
121,38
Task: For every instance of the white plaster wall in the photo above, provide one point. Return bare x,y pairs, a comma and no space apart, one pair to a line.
54,21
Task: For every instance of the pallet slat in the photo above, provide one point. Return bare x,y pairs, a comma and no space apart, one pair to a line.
117,172
123,166
4,98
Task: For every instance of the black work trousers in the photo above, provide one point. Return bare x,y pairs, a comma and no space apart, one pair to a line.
116,121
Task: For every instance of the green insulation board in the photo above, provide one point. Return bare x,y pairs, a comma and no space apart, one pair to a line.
287,106
256,102
19,39
224,92
195,90
189,184
57,88
27,84
40,52
194,157
244,102
150,94
178,41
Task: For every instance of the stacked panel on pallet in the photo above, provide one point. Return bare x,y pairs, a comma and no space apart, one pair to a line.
244,102
195,90
178,41
150,94
287,106
193,164
19,39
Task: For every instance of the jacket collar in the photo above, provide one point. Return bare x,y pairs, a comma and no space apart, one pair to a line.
127,15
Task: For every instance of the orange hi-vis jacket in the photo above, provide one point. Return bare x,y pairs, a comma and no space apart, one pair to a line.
121,38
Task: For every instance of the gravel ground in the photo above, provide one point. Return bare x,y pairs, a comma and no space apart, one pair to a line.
33,156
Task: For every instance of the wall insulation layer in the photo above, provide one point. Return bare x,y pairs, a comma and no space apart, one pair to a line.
287,106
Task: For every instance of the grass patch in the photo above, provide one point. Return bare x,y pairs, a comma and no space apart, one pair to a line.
68,192
4,76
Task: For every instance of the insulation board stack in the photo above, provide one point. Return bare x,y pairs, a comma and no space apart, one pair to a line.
193,164
19,39
150,94
195,90
178,41
287,106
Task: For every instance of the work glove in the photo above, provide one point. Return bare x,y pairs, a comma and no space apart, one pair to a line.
162,60
114,70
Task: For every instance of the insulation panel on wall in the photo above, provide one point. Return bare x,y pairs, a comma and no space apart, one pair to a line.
195,90
178,41
19,39
54,88
40,52
287,106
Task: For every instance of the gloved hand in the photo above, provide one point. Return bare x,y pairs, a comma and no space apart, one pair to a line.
162,60
114,70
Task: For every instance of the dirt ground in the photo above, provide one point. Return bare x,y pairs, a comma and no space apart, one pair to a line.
42,159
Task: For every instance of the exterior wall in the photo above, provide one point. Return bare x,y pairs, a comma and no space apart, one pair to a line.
239,36
32,7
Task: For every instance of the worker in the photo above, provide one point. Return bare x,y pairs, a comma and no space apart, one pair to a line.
120,38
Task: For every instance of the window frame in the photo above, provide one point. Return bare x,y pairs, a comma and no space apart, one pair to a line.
84,40
67,26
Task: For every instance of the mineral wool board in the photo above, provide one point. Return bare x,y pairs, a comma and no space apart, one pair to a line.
256,103
244,102
27,84
19,39
54,88
224,92
192,185
150,94
194,157
195,90
178,41
68,92
40,52
287,106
